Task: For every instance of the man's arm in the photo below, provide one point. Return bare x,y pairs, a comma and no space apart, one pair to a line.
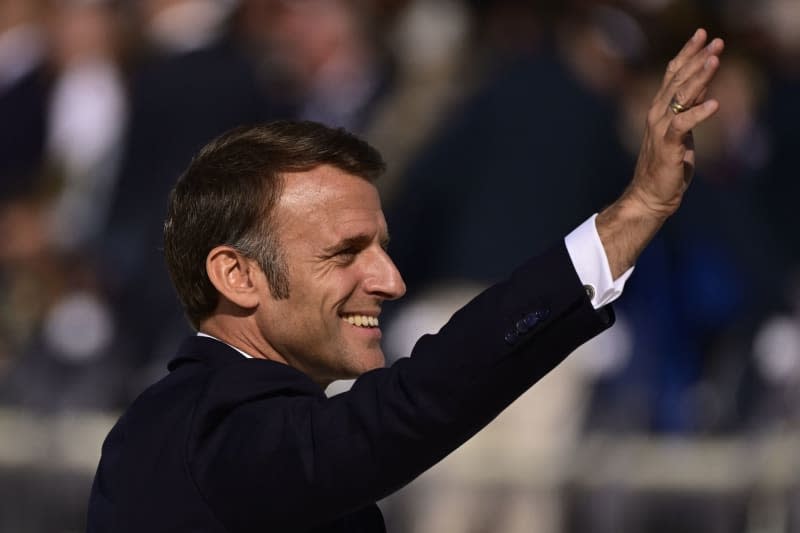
666,160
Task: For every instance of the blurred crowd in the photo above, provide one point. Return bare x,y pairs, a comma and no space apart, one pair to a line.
505,123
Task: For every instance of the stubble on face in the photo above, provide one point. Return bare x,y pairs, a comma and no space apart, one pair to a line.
333,234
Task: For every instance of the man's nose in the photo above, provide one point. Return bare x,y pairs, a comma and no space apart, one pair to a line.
384,279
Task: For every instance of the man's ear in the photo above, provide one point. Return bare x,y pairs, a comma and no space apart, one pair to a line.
234,276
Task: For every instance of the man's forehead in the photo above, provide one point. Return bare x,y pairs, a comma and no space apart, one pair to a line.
327,185
330,201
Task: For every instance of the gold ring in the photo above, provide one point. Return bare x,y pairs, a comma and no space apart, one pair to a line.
677,107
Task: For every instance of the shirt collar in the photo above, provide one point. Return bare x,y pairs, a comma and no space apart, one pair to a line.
201,334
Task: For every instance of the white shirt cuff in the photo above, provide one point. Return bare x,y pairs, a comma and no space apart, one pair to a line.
591,263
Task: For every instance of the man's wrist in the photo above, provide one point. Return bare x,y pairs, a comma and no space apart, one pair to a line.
638,203
625,228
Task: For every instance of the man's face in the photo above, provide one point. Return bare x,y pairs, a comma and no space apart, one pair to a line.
333,235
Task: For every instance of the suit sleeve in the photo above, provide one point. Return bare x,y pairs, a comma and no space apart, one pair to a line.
294,462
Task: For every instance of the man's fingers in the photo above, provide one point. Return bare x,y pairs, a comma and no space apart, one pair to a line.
692,46
690,91
667,153
687,84
683,123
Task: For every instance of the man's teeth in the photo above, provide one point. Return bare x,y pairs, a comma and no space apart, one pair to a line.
363,321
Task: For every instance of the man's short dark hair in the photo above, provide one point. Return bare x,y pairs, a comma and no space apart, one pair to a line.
228,194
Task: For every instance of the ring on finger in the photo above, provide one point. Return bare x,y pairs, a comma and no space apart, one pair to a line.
676,107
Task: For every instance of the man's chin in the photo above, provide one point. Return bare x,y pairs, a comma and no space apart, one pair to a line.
365,363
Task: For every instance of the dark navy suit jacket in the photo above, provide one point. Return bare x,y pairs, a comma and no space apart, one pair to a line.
230,444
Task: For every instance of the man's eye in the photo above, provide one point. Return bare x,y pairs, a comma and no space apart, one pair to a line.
348,254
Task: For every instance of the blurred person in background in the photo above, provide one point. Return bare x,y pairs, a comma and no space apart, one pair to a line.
23,95
365,66
431,52
327,57
87,117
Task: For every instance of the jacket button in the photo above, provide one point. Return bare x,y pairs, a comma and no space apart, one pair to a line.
522,325
542,314
531,319
511,338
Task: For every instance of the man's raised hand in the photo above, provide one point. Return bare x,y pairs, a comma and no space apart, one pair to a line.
666,160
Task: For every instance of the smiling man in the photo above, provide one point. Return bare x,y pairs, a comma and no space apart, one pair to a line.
334,236
276,244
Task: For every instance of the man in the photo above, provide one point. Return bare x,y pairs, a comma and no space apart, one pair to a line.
276,244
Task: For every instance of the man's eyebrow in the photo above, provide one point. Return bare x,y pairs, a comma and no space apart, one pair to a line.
360,240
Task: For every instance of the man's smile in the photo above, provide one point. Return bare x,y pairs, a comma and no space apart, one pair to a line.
363,321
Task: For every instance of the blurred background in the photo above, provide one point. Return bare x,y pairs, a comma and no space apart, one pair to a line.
505,124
